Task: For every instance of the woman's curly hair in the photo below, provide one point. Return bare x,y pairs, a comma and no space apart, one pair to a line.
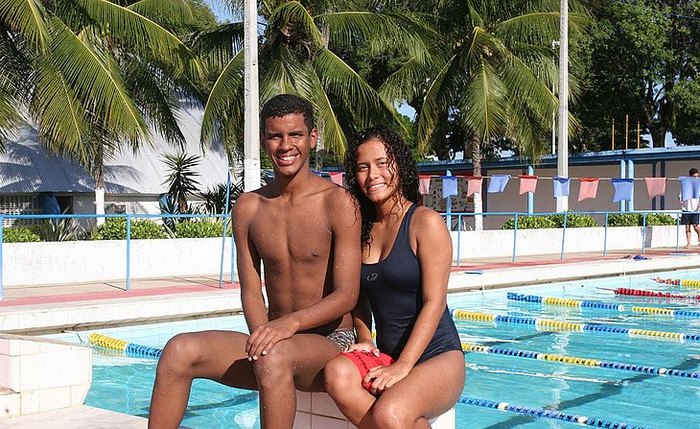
400,158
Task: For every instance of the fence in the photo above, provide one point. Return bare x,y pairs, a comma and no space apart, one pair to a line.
102,257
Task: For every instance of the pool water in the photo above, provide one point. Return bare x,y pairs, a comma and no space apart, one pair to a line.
124,384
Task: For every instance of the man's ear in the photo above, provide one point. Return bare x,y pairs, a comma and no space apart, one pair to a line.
313,135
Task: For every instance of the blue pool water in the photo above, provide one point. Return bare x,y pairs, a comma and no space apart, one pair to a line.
124,384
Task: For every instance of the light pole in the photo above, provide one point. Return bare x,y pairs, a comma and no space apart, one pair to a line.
563,143
251,130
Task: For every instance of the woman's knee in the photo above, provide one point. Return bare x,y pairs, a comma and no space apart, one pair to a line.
391,415
339,374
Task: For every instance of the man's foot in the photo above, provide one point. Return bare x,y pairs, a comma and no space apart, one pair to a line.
687,246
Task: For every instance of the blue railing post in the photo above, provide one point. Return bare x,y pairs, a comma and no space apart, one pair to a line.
563,237
459,237
644,230
605,235
223,232
515,235
2,290
233,251
128,251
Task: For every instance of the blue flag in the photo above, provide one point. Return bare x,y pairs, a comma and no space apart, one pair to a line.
449,186
561,186
497,183
623,189
690,187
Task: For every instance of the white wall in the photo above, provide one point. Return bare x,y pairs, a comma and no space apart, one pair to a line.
88,261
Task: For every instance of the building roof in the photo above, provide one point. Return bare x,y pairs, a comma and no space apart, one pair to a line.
27,166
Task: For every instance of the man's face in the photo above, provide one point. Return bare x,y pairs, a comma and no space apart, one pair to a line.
288,142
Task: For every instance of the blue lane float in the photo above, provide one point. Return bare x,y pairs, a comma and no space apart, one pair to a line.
598,305
574,360
547,414
549,325
129,349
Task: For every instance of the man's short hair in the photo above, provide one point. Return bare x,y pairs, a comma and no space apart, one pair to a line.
286,104
692,171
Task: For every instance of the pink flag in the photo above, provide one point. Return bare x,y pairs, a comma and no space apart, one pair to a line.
424,184
473,184
336,178
588,188
656,186
527,183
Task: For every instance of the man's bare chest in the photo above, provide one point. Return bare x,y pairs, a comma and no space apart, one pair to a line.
292,237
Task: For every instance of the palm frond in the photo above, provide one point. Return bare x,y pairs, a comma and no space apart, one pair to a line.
143,35
176,12
485,103
28,18
96,80
334,139
291,24
406,82
63,126
224,111
217,46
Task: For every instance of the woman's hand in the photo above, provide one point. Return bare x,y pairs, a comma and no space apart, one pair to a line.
382,378
365,346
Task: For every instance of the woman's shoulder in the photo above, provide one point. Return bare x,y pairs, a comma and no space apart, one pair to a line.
425,217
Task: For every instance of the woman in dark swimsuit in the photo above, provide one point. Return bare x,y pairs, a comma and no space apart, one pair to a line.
406,257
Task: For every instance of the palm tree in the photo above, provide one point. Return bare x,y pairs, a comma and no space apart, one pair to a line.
299,54
95,75
491,72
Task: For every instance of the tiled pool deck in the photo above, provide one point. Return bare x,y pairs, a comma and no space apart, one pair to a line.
43,309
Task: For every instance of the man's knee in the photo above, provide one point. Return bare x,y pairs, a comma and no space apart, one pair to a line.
338,374
275,364
182,352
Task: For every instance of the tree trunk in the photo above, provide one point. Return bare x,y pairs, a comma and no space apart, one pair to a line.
99,175
476,171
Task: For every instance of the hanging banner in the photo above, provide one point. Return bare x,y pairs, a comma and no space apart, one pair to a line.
623,189
336,177
527,184
424,184
561,186
497,183
449,186
656,186
588,188
474,184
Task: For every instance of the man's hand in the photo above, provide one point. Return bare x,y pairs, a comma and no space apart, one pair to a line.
366,346
265,336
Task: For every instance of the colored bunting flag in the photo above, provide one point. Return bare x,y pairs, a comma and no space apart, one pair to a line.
623,189
336,177
588,188
449,186
656,186
498,183
424,184
527,184
474,184
561,186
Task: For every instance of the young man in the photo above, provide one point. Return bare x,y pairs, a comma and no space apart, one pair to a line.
690,216
305,232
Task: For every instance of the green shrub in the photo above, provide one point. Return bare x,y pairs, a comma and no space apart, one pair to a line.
192,228
59,230
19,234
574,220
624,219
530,222
654,219
115,229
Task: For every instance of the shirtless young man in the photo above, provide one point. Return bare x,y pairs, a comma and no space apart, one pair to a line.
304,231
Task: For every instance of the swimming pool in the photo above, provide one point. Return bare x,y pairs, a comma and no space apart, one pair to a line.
639,398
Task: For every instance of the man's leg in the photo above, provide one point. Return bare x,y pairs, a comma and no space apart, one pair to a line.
697,231
216,355
295,363
687,236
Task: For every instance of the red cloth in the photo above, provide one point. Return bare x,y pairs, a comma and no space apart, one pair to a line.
527,183
424,184
364,361
588,188
474,184
656,186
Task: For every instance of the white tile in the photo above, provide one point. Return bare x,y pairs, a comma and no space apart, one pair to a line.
52,399
4,346
81,363
322,422
78,394
54,369
5,370
174,307
28,347
52,346
321,403
14,373
44,318
30,373
27,320
444,421
9,322
302,421
304,401
9,405
59,317
29,402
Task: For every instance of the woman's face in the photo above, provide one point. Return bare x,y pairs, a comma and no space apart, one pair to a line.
376,174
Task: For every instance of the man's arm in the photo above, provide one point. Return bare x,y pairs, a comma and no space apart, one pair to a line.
248,263
344,223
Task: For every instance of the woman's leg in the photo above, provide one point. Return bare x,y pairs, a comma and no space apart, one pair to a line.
344,384
430,389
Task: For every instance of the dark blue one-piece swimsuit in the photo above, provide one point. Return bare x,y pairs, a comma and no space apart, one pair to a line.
394,289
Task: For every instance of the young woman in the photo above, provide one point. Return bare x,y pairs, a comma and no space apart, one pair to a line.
406,255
